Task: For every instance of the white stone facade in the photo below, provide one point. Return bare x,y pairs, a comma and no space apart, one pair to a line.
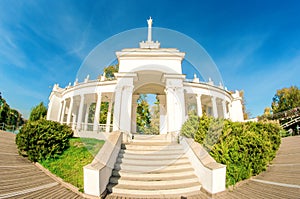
148,69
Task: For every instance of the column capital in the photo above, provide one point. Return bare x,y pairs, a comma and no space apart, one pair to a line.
199,94
213,97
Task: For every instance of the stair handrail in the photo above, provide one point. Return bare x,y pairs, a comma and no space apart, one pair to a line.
212,175
285,114
97,173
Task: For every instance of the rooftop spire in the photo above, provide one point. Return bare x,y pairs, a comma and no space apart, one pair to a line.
149,29
149,43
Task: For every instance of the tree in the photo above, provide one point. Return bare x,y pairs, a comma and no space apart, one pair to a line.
246,113
154,119
143,118
286,99
14,118
38,112
267,111
8,116
110,71
4,110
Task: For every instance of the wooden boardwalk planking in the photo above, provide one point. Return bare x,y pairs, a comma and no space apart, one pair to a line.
19,178
18,174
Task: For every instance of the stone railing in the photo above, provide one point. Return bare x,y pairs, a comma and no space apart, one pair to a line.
211,174
97,174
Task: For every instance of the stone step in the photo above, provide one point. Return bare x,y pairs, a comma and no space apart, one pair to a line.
152,183
150,166
154,176
150,142
153,169
155,191
149,137
153,147
151,156
153,162
152,152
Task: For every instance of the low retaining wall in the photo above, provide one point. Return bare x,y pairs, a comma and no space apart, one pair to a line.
97,174
211,174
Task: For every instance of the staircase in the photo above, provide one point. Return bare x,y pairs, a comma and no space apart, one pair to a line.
150,167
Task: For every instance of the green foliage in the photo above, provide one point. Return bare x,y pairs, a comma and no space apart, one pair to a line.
4,109
246,148
43,139
69,165
9,116
246,113
286,99
110,71
103,113
153,128
190,127
38,112
143,116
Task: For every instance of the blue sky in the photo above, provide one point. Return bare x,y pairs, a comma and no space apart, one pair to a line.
255,44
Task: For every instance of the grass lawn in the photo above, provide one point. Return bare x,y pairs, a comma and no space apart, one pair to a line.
69,165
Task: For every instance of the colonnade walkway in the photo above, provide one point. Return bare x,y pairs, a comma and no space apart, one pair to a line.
21,179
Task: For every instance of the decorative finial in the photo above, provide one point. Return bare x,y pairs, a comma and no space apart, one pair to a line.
149,29
149,44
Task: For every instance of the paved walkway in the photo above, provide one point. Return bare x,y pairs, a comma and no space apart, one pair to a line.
281,180
19,178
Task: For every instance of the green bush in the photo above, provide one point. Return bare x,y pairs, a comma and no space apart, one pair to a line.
190,127
246,148
43,139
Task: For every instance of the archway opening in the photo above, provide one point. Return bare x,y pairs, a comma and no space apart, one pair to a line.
147,113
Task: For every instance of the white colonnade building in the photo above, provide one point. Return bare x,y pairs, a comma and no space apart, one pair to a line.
148,69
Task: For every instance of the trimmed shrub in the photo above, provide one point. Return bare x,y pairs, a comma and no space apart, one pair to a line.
245,148
42,139
190,127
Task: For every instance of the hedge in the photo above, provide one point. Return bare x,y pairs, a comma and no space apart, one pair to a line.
42,139
245,148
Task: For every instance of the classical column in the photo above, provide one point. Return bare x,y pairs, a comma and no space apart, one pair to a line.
79,119
86,118
123,102
49,110
175,102
125,116
214,106
70,111
108,119
175,109
199,105
61,105
117,108
74,121
162,113
97,112
133,113
224,109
